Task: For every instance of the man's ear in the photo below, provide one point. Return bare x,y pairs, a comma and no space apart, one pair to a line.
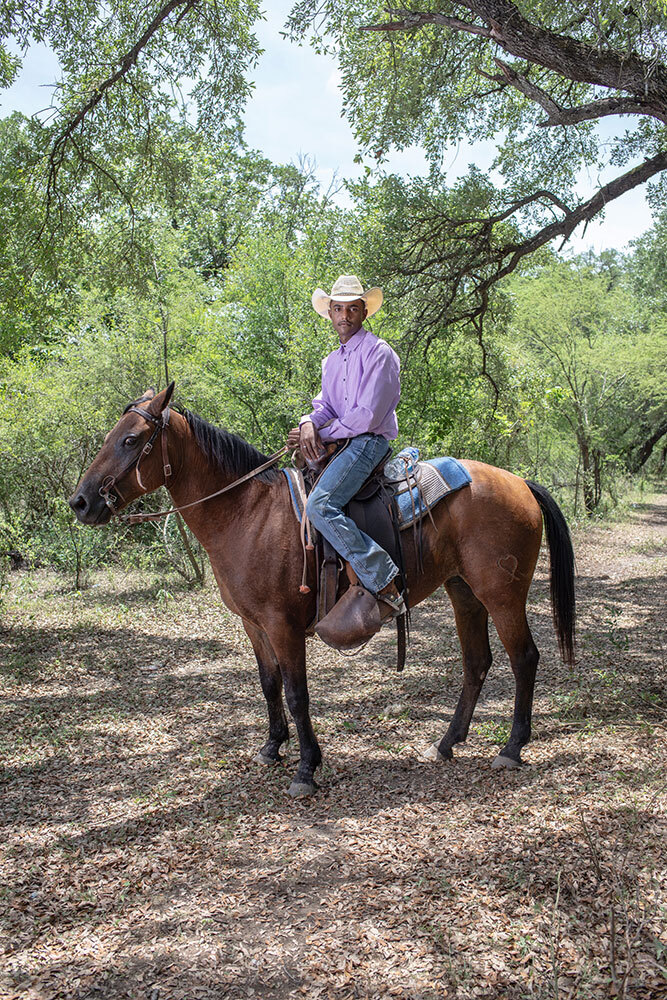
161,401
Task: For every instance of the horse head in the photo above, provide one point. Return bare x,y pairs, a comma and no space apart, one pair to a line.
127,465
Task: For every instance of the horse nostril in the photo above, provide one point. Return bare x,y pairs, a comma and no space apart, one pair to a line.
79,503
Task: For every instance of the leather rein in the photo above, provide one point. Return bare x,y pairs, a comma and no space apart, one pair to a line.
110,492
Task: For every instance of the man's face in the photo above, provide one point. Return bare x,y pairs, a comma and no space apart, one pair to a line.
347,318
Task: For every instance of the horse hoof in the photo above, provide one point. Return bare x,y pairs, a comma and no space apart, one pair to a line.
301,789
505,762
433,754
267,761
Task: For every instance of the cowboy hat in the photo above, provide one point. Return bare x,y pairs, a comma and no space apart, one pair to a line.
347,289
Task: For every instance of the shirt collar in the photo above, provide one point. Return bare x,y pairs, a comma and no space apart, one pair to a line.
354,342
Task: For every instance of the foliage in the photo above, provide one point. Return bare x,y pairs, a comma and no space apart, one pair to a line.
132,77
580,322
533,78
184,251
569,359
434,83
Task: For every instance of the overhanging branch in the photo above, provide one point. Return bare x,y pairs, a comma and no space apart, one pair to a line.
570,116
455,262
415,20
504,24
584,212
60,143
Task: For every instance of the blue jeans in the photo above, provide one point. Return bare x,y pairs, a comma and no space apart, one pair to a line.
339,482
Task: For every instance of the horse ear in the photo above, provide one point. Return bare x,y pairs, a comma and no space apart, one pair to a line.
169,393
161,401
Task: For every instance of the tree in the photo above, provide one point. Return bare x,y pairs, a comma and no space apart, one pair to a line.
536,77
133,77
648,275
581,323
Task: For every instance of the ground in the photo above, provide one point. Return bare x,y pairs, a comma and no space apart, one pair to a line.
146,854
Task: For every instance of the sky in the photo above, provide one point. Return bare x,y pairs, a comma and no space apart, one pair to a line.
295,111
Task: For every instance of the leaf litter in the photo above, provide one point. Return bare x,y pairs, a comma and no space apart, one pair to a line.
145,853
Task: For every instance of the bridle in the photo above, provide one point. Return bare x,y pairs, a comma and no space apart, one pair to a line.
110,492
109,489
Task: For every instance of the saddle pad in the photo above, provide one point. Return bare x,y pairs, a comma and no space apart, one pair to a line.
439,477
297,490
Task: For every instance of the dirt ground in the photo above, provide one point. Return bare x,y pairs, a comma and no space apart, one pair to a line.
145,855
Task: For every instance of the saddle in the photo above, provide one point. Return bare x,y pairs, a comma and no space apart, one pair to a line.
374,511
399,494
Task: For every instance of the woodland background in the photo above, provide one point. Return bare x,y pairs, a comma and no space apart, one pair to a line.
144,852
135,221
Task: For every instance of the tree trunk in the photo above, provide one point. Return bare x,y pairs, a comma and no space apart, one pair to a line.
590,464
643,452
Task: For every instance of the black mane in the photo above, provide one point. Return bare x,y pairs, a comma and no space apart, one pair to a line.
228,451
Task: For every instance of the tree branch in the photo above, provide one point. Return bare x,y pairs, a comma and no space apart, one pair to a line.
585,211
414,20
602,109
456,261
570,116
570,58
642,451
479,330
57,154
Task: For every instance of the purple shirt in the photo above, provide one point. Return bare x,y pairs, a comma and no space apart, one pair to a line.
360,390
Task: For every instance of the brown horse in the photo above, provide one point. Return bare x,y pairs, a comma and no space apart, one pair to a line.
484,551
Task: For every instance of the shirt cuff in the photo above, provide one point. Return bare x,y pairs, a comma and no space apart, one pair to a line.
313,419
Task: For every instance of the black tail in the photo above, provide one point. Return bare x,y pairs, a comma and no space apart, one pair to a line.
561,555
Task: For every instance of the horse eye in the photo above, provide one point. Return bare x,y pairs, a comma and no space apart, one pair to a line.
130,441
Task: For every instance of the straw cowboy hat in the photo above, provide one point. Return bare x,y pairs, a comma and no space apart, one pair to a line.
347,289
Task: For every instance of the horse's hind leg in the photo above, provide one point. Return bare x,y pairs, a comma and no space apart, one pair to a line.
472,626
515,635
272,686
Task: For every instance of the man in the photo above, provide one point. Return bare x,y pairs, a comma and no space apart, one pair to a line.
360,391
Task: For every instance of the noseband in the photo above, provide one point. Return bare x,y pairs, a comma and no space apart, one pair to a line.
109,490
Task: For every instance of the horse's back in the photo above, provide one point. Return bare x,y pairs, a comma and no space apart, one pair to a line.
488,533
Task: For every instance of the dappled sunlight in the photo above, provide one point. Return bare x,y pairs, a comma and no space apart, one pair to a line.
142,843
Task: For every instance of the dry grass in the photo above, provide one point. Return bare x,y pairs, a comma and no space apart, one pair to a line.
144,854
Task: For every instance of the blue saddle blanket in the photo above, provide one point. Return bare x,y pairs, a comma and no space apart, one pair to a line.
438,478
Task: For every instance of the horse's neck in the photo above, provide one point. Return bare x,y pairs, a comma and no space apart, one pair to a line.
196,477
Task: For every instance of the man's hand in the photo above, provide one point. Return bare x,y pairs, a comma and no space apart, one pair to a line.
310,443
293,438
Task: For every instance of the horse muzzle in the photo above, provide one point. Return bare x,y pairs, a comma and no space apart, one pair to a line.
90,507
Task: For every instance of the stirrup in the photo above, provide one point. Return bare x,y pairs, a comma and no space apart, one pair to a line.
397,605
353,620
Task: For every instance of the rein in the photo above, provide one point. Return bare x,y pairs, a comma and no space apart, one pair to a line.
161,424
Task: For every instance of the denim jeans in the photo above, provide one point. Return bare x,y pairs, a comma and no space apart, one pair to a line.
339,482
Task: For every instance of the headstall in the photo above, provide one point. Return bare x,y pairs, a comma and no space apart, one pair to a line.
109,488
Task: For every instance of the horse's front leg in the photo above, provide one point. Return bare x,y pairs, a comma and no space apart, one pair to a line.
272,686
289,645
